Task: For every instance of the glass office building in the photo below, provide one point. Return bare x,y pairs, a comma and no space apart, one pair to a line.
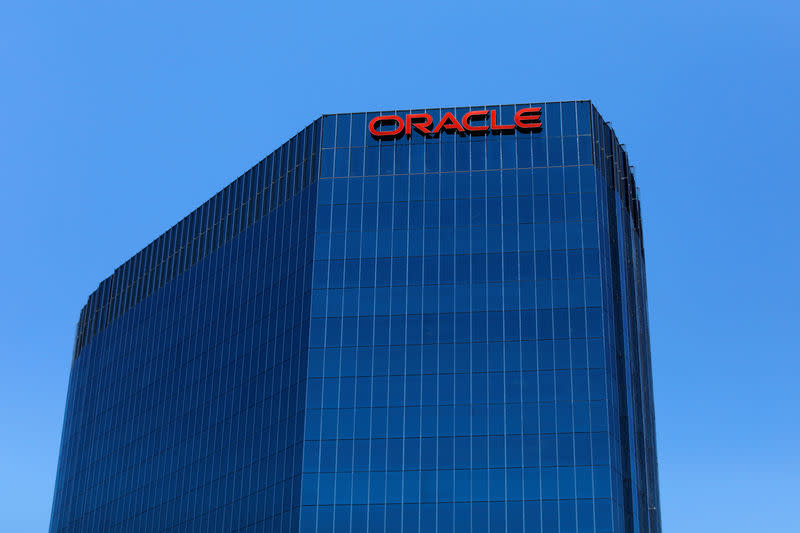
363,333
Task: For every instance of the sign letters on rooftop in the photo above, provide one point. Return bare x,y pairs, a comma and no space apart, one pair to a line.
473,122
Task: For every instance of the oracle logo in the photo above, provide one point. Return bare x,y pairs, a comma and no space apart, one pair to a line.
473,122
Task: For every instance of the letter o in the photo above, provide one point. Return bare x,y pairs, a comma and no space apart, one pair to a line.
375,122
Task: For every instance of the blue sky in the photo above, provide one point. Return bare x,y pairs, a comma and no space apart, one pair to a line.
117,119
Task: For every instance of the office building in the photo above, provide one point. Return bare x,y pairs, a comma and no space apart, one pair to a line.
416,320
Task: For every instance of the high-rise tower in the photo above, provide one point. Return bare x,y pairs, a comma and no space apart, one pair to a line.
422,320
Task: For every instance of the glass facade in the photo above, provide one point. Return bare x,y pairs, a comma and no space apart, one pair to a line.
416,333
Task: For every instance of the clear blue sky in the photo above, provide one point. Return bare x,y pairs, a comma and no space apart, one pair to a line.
117,119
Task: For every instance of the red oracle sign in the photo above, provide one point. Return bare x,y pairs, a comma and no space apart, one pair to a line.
473,122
